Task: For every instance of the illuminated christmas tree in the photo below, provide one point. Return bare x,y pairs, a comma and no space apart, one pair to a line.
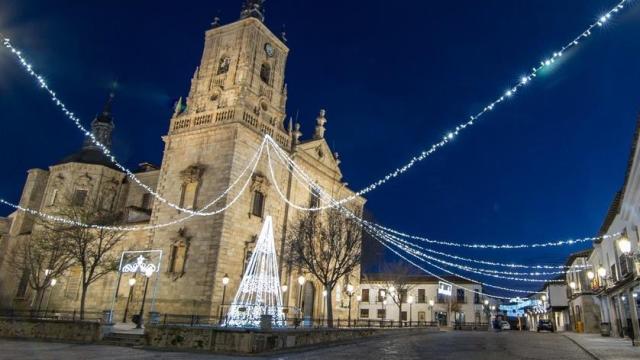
259,292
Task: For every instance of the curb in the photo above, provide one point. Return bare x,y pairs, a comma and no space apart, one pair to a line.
582,347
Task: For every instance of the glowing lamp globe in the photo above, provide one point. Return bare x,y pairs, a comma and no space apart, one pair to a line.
359,298
225,279
301,280
544,297
410,299
285,288
590,275
383,293
602,272
624,245
148,273
431,302
132,282
324,293
486,302
54,282
349,288
573,285
392,290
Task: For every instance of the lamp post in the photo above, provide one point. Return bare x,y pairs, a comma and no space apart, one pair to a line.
431,303
301,281
147,274
410,301
350,293
132,282
324,303
359,299
52,284
225,282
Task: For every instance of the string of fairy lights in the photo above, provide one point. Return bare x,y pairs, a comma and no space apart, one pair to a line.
392,239
313,188
448,137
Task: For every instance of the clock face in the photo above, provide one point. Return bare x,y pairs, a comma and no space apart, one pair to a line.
268,48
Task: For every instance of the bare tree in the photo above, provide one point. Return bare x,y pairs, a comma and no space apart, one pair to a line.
397,280
90,248
327,245
41,257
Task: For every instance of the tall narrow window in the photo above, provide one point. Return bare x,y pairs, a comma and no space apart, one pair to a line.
223,66
146,201
189,191
421,296
79,197
22,285
177,259
380,296
53,197
365,295
314,200
257,207
460,295
265,73
403,296
108,200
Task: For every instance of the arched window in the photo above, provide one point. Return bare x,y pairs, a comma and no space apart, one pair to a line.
257,206
314,200
223,66
265,73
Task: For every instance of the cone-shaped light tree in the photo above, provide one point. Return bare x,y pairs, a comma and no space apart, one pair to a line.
259,292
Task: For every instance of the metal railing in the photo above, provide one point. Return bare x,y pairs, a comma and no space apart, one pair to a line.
72,315
294,322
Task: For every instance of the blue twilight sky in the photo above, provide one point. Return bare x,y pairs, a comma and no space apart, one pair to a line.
393,76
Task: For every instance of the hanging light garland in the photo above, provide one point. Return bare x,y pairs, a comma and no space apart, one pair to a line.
448,137
288,163
251,166
300,174
510,93
105,150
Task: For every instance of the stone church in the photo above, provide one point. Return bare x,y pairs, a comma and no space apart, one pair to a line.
237,95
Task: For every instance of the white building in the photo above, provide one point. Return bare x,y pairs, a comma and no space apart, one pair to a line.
552,304
420,301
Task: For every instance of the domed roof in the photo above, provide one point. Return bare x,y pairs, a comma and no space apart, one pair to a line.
89,155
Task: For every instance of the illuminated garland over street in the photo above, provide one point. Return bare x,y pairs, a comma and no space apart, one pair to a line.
511,92
298,172
251,166
498,246
523,80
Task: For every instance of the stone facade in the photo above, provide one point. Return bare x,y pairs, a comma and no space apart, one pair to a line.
237,96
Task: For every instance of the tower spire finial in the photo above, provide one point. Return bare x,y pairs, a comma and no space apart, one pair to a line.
252,8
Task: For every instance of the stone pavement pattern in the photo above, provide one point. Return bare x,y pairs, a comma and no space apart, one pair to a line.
606,348
446,345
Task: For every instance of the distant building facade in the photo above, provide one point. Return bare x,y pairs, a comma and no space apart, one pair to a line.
464,305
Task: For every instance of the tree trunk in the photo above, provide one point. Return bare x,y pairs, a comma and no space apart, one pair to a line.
83,297
329,308
39,296
400,313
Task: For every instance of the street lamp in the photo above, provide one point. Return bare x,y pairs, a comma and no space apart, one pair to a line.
301,281
602,272
132,282
147,274
486,302
225,282
431,303
590,275
410,301
350,293
573,285
543,297
624,245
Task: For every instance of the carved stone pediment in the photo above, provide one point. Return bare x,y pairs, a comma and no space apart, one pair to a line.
192,173
259,183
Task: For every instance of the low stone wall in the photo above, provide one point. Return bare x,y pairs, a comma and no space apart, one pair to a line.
242,341
59,330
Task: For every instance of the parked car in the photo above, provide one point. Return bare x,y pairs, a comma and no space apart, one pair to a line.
504,325
545,324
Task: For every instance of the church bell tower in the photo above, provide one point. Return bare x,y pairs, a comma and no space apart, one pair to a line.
240,78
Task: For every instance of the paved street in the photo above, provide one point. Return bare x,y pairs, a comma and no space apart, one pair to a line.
446,345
